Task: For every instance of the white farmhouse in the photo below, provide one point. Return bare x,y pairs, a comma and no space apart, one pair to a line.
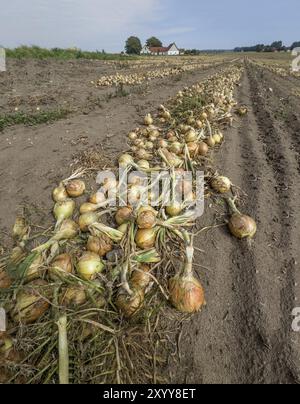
171,50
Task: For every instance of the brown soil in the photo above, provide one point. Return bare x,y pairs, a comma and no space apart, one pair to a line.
244,335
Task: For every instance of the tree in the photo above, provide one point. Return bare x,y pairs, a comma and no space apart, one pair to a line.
154,42
133,46
277,45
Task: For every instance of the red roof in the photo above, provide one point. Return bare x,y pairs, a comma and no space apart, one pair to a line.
160,49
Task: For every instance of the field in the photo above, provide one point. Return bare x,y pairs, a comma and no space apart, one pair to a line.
59,115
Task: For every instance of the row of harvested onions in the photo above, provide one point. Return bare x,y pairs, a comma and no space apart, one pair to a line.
168,141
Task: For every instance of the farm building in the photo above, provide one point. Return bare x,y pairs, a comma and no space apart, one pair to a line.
171,50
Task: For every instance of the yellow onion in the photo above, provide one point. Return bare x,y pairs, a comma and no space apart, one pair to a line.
170,158
20,229
149,146
146,238
60,267
221,184
204,116
193,148
100,245
142,154
5,281
148,120
17,255
86,220
89,265
199,124
191,136
130,305
175,209
110,183
75,188
30,304
186,294
132,135
138,143
217,138
123,215
126,160
88,208
210,141
35,270
146,218
154,133
67,231
140,278
241,226
166,115
74,296
64,210
163,144
60,194
143,165
202,149
176,148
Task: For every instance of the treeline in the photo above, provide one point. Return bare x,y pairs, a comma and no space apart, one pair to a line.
36,52
276,46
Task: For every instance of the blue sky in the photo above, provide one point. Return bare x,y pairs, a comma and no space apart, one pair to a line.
105,24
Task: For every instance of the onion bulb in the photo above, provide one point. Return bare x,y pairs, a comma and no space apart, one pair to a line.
20,229
186,292
30,304
74,296
142,154
217,138
163,144
199,124
100,245
176,148
221,184
143,165
132,136
210,141
241,226
191,136
193,148
5,281
123,215
89,265
60,194
60,267
86,220
35,269
202,149
130,305
97,198
75,188
87,208
140,278
148,120
175,209
64,210
126,160
145,238
146,218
